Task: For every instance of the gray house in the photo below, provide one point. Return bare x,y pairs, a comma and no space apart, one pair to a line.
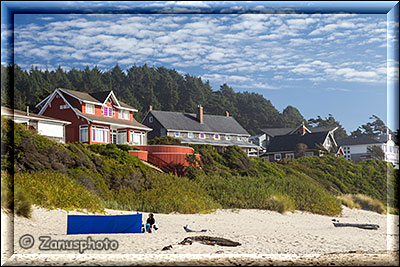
218,131
282,142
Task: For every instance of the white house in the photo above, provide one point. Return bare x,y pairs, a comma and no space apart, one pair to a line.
356,149
46,126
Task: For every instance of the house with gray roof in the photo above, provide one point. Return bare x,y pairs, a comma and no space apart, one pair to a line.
216,130
356,149
299,141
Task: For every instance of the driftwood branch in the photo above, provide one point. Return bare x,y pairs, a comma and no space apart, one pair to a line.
359,225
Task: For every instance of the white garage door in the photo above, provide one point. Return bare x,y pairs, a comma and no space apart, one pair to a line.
51,129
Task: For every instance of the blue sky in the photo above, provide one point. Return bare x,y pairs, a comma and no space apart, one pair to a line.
319,63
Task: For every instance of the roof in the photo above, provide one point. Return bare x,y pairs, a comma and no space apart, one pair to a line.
282,131
361,140
289,142
107,120
97,97
188,122
20,113
217,142
277,131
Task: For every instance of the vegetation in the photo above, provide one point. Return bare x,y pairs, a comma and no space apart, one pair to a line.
166,140
94,177
361,201
142,86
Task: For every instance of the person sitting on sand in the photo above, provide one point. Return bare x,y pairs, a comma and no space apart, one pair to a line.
150,223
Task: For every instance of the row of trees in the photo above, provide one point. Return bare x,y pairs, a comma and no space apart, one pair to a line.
164,89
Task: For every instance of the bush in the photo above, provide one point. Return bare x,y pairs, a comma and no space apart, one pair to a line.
166,140
368,203
347,201
22,204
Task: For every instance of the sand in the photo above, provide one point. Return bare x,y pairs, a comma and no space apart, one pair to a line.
266,237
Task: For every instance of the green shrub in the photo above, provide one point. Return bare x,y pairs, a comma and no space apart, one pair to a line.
368,203
22,203
165,140
347,200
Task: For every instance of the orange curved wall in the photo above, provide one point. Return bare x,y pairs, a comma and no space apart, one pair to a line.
143,155
166,148
164,156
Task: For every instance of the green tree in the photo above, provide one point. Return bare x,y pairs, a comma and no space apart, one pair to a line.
376,152
372,129
329,121
300,150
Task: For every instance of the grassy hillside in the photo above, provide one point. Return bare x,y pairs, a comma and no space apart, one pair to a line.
94,177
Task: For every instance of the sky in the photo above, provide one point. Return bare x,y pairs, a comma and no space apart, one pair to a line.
319,63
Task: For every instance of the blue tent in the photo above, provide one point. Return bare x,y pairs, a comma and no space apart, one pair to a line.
104,224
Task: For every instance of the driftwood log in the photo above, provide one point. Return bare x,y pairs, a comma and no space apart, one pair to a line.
359,225
209,240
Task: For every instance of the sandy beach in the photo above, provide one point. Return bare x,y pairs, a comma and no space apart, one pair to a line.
264,235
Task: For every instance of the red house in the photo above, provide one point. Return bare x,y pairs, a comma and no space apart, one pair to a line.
96,118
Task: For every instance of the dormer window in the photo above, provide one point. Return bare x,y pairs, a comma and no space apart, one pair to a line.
126,115
108,112
89,108
123,114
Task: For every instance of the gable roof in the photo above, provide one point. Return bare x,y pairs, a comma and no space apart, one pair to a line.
108,120
283,131
22,114
95,97
289,142
361,140
188,122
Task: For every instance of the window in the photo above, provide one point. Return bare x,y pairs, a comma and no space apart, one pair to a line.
89,108
126,114
216,136
202,136
239,138
120,115
328,142
100,134
190,134
277,156
64,106
137,138
150,119
309,154
83,133
289,156
177,134
228,137
108,112
121,137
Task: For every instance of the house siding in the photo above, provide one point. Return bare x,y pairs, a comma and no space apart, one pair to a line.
72,130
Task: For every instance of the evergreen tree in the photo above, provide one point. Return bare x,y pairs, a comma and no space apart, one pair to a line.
329,121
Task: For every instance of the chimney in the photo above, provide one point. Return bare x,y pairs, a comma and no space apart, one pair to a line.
200,113
27,110
227,113
303,128
150,107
